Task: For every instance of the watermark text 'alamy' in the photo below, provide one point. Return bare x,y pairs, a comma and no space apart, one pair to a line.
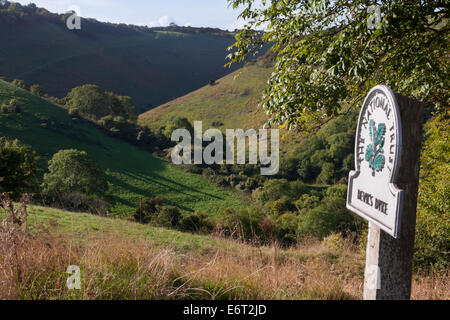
214,153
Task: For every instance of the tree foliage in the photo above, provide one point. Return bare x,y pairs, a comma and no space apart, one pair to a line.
20,84
37,89
433,215
17,167
74,171
92,102
330,53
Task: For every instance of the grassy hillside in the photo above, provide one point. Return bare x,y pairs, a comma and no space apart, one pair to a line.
152,67
124,260
132,173
231,102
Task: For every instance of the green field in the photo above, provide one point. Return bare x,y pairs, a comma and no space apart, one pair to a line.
133,174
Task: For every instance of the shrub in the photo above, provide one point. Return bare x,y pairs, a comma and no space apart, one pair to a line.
74,112
242,224
20,84
148,209
287,225
326,175
168,217
307,202
80,202
89,99
198,222
14,106
37,90
17,167
177,123
297,189
273,189
337,191
329,217
4,109
280,206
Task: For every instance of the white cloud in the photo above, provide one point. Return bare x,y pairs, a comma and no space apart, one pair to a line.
164,21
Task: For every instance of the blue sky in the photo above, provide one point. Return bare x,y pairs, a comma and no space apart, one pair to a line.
197,13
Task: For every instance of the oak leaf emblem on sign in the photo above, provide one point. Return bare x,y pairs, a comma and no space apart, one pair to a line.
374,151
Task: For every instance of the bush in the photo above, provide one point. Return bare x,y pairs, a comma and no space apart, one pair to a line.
14,106
273,189
17,167
297,189
20,84
337,191
4,109
287,225
280,206
326,175
37,90
74,112
95,104
197,222
177,123
168,217
243,224
148,210
80,202
307,202
329,217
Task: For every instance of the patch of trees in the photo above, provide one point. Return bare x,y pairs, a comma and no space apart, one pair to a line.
35,89
326,157
92,102
113,114
11,107
20,84
282,211
12,13
153,211
73,182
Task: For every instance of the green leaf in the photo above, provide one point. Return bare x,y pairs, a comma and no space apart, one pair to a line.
370,152
378,163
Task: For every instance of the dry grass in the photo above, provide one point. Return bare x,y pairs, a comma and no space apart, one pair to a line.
116,266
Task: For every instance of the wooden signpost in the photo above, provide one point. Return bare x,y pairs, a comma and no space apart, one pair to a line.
383,189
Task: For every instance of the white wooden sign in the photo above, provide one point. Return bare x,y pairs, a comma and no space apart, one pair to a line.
372,192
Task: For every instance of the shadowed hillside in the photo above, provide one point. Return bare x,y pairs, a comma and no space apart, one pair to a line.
151,66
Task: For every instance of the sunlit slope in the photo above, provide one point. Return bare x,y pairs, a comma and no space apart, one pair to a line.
231,103
132,173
